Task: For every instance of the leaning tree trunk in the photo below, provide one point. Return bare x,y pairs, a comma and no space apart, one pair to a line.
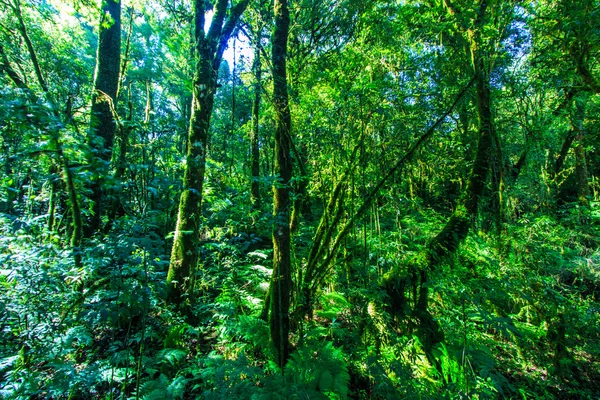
102,119
446,242
209,50
281,282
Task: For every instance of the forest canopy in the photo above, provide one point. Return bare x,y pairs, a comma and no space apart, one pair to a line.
316,199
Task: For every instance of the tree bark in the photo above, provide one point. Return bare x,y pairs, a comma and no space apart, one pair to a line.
281,282
103,125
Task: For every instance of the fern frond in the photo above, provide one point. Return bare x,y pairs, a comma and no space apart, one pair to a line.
172,356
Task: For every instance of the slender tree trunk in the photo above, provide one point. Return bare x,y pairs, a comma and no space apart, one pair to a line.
254,143
125,60
232,121
103,125
52,200
117,208
16,6
77,234
281,282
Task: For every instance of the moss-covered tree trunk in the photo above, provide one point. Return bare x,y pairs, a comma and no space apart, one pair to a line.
209,48
281,282
103,125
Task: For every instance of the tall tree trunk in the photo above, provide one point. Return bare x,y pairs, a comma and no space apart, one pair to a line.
117,208
281,282
209,50
103,125
255,149
184,252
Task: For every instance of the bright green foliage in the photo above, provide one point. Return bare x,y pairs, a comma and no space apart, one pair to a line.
512,304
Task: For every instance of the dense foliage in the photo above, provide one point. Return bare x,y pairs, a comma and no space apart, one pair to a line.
440,163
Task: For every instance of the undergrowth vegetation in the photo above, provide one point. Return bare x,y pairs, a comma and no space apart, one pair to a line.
521,319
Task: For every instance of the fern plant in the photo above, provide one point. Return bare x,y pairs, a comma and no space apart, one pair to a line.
320,368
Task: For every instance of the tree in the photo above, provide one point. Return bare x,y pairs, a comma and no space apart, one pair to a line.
447,241
208,50
565,39
281,281
103,125
413,128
